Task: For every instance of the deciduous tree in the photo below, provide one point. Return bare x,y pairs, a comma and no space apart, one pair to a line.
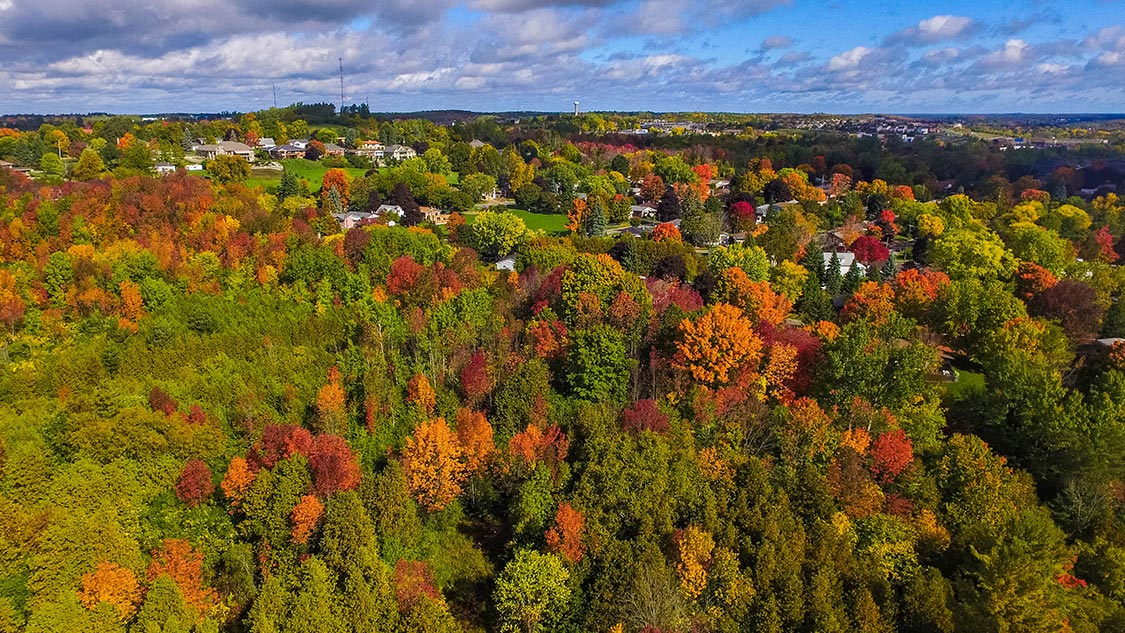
432,461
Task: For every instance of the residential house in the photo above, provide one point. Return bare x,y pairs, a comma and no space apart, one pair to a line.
333,149
164,169
286,151
507,264
299,142
352,219
390,209
434,215
477,143
371,149
226,148
643,211
266,142
400,152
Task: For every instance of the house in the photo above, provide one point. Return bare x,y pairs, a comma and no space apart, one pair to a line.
477,143
643,211
333,149
164,168
266,142
390,209
286,151
193,167
226,148
762,210
352,219
434,215
299,142
508,264
371,149
400,152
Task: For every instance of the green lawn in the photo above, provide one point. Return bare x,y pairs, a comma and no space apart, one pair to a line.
310,170
967,382
548,223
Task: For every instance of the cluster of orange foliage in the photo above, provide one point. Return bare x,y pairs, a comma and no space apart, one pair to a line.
755,298
114,584
433,463
420,393
714,347
184,565
565,537
237,480
305,516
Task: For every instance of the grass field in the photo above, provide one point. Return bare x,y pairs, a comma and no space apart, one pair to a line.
312,171
967,383
548,223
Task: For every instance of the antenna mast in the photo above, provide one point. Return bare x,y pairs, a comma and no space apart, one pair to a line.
275,95
341,84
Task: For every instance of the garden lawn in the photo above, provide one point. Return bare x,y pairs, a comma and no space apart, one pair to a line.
547,222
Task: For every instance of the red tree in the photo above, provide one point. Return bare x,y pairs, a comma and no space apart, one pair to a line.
891,454
194,484
159,400
334,466
280,441
644,415
870,250
475,381
413,580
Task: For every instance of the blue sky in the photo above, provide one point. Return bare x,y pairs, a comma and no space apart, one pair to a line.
665,55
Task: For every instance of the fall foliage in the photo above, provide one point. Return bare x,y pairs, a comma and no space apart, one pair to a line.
432,460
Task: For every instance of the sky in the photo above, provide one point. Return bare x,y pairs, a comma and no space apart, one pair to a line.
840,56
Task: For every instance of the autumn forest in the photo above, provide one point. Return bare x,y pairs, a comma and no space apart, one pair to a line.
543,375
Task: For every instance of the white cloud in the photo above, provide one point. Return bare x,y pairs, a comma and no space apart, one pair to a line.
942,27
939,28
849,60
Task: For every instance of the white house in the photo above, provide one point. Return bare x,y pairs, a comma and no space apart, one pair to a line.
643,211
371,149
390,209
226,148
400,152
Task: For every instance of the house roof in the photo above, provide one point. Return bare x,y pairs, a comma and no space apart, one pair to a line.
235,146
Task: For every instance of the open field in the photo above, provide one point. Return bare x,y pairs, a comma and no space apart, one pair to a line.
548,223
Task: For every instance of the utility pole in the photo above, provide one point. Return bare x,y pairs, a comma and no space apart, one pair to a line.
275,95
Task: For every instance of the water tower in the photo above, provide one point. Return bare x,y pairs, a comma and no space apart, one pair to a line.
575,108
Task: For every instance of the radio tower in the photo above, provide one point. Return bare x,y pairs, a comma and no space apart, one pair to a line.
341,84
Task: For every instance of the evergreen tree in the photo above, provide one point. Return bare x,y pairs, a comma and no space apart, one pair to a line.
853,279
335,204
187,141
595,223
833,281
890,268
813,261
288,187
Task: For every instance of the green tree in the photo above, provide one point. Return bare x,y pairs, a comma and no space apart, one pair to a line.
89,167
531,591
495,234
965,254
52,164
598,368
227,168
289,185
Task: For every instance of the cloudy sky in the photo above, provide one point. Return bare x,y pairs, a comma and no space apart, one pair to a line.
731,55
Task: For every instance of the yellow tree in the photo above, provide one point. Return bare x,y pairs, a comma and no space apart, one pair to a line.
432,462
